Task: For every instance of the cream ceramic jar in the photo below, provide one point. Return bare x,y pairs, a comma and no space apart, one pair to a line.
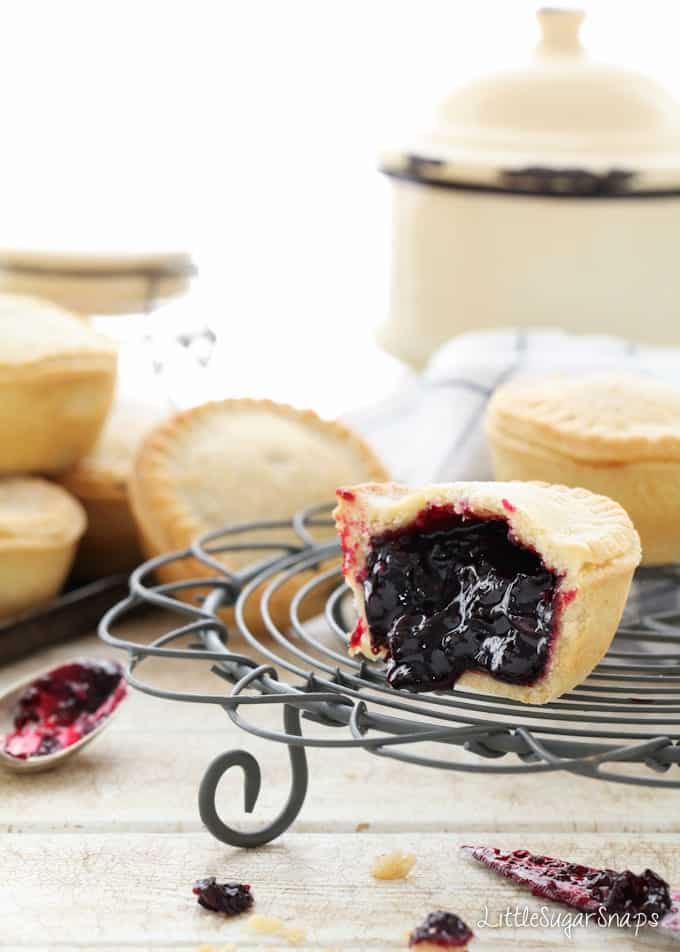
546,195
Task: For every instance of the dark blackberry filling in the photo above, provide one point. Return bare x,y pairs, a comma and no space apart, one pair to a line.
455,592
441,928
63,706
229,898
584,887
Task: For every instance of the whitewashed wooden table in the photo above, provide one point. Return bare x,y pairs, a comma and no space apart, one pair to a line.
102,854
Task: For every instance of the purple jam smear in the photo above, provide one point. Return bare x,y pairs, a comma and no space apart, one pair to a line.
442,928
583,887
231,899
452,593
671,921
64,705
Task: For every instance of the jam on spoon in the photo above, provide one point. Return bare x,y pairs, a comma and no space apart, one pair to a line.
63,706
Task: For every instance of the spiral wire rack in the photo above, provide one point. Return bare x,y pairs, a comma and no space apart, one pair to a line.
626,713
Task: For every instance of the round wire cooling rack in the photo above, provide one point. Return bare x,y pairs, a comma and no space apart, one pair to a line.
626,715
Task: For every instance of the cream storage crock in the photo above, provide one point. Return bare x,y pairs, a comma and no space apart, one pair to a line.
544,195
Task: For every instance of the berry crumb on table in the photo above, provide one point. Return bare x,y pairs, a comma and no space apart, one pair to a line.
122,828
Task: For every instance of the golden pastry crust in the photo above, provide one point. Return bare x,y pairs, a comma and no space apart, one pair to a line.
40,525
588,541
111,544
99,480
41,338
36,513
612,434
599,418
56,384
235,461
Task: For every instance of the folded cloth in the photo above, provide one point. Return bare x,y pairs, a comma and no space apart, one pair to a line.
431,431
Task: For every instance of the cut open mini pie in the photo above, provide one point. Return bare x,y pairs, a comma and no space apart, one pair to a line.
514,589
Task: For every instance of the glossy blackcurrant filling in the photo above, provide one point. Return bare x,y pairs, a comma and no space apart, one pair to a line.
451,593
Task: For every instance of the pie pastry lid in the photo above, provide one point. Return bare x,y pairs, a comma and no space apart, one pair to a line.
237,461
37,336
36,513
600,418
571,529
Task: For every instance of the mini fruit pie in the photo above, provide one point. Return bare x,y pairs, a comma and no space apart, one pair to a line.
40,525
100,481
56,383
514,589
611,433
237,461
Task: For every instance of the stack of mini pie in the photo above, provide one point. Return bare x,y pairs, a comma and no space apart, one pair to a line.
57,379
92,479
68,439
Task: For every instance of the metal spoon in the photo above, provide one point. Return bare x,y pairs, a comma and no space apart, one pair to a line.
8,702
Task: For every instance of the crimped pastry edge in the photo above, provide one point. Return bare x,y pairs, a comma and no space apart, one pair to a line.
603,447
150,488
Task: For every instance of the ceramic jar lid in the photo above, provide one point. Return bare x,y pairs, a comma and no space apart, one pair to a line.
562,123
105,280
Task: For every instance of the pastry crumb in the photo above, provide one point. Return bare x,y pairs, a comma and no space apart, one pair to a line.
294,935
360,827
267,925
396,865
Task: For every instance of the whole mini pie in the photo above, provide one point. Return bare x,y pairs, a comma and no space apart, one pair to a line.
614,434
56,384
40,525
238,461
514,589
99,480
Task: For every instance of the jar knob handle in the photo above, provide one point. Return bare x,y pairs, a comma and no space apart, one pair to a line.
560,30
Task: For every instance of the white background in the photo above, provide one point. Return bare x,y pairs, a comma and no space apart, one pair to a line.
248,131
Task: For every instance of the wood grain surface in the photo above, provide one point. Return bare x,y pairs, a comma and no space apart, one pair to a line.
102,854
